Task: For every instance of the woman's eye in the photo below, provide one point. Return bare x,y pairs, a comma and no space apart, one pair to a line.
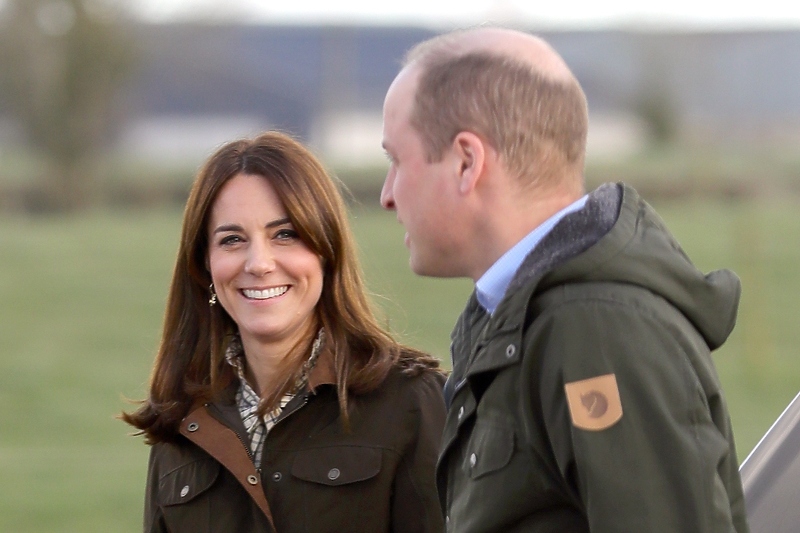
287,235
229,239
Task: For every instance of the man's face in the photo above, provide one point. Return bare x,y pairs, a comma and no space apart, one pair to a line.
421,193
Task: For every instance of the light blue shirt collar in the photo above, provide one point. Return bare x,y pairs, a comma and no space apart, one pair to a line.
491,287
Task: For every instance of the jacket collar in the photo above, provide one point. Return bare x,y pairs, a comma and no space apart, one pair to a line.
572,236
323,372
222,443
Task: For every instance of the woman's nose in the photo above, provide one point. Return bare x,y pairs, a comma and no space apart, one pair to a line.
260,260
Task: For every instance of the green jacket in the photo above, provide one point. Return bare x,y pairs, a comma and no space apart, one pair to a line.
315,476
589,400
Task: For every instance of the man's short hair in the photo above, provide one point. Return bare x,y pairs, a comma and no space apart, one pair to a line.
536,123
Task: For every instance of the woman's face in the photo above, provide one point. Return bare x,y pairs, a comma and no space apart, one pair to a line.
265,277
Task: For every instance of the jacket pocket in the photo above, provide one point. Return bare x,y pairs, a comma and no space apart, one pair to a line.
337,465
187,482
490,449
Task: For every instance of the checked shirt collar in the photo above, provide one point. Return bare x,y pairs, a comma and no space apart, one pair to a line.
248,401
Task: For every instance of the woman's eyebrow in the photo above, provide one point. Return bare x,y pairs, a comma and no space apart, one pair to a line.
279,222
236,227
227,227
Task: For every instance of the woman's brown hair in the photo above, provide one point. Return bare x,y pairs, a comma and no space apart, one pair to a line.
190,365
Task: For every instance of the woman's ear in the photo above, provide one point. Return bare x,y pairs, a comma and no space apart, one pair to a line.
470,151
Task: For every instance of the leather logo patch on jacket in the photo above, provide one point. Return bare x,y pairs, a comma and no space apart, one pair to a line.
594,403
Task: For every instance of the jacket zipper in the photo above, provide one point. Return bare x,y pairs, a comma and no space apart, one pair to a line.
245,444
296,408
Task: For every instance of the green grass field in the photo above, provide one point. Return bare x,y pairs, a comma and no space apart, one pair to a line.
82,300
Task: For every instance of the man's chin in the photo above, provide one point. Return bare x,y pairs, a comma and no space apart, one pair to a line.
428,268
417,266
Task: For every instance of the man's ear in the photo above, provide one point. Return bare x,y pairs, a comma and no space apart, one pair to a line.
470,151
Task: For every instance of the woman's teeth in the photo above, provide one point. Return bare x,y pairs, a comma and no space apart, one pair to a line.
265,294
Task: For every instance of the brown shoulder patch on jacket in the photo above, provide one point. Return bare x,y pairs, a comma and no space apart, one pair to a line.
594,403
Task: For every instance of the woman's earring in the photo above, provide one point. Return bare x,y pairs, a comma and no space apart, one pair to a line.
213,300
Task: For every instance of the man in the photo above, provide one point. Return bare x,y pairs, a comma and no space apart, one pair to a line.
583,396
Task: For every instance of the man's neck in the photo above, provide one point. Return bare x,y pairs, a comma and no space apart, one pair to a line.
507,223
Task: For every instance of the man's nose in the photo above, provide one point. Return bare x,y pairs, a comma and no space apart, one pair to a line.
387,193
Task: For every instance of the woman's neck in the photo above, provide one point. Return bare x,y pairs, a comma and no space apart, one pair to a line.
266,361
263,363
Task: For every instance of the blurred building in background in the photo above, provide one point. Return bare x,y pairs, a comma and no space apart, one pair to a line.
201,84
194,86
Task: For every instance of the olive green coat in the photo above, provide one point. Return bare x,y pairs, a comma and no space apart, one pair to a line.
607,293
315,476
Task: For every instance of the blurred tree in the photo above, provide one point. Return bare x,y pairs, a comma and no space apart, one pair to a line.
657,111
656,104
61,64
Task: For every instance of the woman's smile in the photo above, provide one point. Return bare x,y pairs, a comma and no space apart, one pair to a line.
265,294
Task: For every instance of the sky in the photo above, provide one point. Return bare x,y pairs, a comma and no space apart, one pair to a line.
632,14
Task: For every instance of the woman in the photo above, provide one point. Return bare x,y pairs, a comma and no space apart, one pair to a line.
276,401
